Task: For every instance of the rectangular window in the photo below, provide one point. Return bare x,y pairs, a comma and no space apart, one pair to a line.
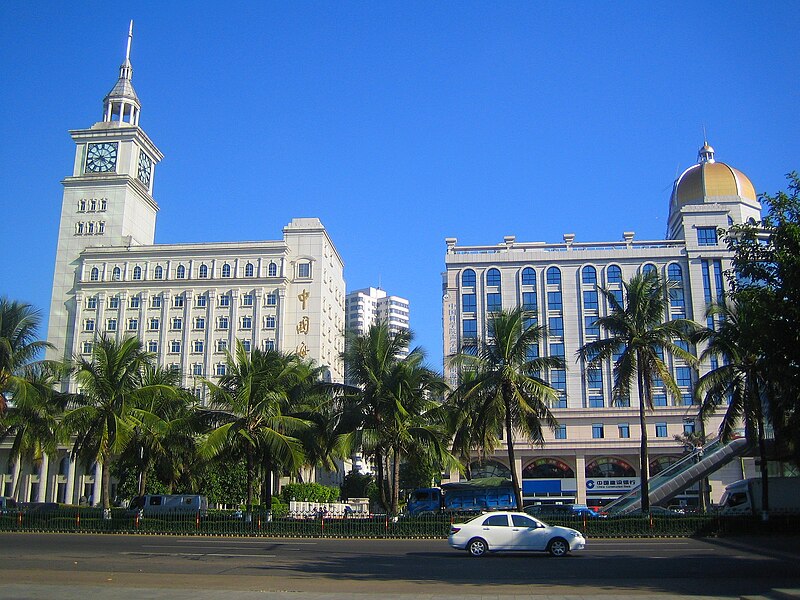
659,399
597,431
557,349
590,300
197,346
177,323
199,323
113,302
152,346
175,346
222,322
529,301
554,301
197,369
224,300
268,345
590,326
707,236
247,323
155,302
558,379
272,299
135,301
154,324
594,377
133,324
200,301
86,348
561,432
304,270
687,400
247,299
688,426
177,302
555,326
111,325
624,430
220,370
494,302
596,402
246,345
618,296
91,302
468,303
683,376
222,345
661,430
470,329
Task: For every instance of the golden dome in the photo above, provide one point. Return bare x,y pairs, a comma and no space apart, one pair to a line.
708,179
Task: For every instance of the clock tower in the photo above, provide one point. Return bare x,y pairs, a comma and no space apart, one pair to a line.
108,198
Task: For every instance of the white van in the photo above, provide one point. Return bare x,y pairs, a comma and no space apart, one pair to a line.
163,504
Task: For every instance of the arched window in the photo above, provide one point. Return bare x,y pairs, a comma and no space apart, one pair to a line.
272,270
548,468
159,272
116,274
649,268
589,275
493,277
180,273
490,468
675,273
614,274
528,276
609,467
203,272
137,272
248,270
468,278
553,276
95,274
226,270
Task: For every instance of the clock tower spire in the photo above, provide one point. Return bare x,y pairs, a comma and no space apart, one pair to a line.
108,199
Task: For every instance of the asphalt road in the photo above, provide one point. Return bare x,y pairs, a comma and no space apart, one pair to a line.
322,567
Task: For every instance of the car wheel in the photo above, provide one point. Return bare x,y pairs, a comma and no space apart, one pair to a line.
477,547
558,547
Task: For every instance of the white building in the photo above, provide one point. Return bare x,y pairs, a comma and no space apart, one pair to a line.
188,303
594,454
369,306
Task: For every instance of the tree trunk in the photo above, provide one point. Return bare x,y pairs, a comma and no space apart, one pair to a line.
395,482
381,479
143,478
762,453
250,479
105,492
644,465
510,446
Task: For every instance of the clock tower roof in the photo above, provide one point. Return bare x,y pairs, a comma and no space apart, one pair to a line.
121,105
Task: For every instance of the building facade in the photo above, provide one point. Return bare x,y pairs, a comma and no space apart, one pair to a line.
188,303
593,455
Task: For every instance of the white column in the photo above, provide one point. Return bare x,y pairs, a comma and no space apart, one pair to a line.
580,478
70,492
43,469
98,483
15,482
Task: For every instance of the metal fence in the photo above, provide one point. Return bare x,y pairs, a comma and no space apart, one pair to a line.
92,520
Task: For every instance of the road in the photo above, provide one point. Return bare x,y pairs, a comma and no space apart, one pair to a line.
118,564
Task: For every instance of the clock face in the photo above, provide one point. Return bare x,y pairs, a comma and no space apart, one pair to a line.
101,158
145,168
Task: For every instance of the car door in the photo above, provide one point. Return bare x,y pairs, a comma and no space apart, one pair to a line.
496,531
528,533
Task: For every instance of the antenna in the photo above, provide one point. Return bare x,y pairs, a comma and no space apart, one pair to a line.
130,37
705,137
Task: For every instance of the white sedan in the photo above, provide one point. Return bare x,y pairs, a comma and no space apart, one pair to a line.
513,532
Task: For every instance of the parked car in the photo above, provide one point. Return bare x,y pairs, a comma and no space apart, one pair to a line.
564,511
513,532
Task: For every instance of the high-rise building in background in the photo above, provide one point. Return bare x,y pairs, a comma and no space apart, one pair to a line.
189,304
593,455
370,306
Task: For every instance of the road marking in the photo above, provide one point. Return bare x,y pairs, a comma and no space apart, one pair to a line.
199,554
246,541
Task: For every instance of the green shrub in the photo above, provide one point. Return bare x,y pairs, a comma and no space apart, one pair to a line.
309,492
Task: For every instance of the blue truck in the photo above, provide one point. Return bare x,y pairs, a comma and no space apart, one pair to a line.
476,495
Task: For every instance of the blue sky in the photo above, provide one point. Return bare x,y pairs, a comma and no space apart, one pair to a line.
398,124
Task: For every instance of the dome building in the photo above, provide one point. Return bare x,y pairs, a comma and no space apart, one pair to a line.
596,447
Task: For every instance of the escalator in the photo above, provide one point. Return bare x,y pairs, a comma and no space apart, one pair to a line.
681,475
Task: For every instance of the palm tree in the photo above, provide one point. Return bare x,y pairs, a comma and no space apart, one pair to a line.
391,401
250,412
740,382
31,422
508,379
108,407
639,331
19,325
